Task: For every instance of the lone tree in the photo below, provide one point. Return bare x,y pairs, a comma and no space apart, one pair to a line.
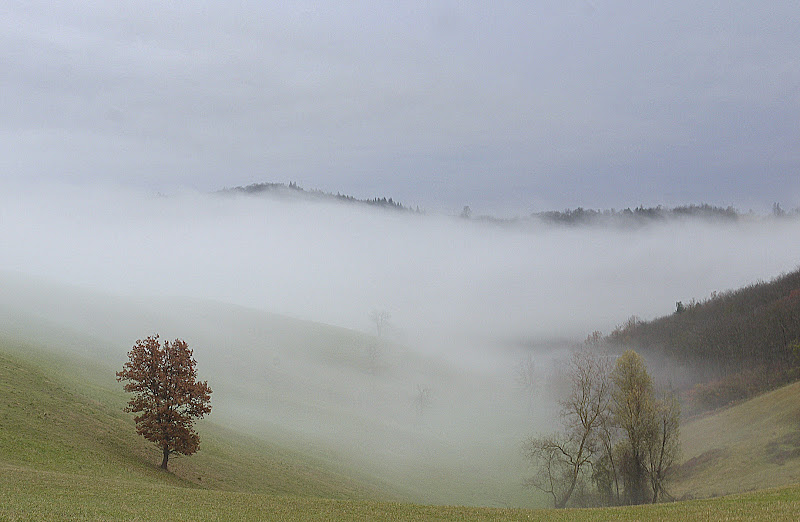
167,394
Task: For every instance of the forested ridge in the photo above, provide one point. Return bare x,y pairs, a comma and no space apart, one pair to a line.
294,189
745,341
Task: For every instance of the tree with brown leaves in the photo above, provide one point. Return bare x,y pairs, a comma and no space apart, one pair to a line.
167,395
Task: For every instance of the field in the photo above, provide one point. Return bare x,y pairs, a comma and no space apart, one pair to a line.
27,494
752,445
68,452
329,393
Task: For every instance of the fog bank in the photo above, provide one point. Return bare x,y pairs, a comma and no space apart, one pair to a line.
439,278
437,392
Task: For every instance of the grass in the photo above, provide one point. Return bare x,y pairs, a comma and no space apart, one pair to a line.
306,386
68,452
27,494
71,426
751,445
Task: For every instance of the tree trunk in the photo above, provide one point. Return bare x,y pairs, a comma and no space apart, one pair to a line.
576,469
165,459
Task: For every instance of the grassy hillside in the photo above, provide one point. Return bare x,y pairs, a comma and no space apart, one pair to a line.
752,445
344,397
66,455
69,426
35,495
68,451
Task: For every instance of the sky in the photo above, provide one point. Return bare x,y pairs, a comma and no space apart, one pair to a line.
509,107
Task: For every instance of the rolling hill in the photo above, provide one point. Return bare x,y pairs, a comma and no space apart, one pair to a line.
68,452
343,396
728,347
61,425
748,446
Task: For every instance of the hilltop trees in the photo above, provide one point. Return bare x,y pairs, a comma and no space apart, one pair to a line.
739,342
167,395
615,434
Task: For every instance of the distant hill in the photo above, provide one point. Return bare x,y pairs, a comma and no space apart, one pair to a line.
638,215
294,190
630,217
627,217
737,343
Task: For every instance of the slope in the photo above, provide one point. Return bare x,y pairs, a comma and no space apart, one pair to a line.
734,344
53,424
752,445
28,495
67,456
346,398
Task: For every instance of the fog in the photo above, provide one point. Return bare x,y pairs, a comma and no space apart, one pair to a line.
247,280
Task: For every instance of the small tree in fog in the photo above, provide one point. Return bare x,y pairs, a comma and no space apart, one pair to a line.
377,349
167,395
525,378
423,399
381,318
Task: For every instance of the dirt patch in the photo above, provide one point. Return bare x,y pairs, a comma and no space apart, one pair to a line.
783,449
700,462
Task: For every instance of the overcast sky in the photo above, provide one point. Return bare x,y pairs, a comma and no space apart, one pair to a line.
509,107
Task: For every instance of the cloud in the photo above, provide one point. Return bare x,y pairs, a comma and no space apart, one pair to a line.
611,105
441,278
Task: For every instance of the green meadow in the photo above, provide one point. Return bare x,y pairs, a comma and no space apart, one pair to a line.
67,451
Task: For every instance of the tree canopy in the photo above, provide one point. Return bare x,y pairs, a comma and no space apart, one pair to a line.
167,395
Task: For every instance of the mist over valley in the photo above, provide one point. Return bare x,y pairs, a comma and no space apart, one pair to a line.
418,348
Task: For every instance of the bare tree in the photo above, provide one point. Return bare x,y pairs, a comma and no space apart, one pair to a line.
554,460
525,378
605,468
613,430
423,399
563,458
377,348
382,319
